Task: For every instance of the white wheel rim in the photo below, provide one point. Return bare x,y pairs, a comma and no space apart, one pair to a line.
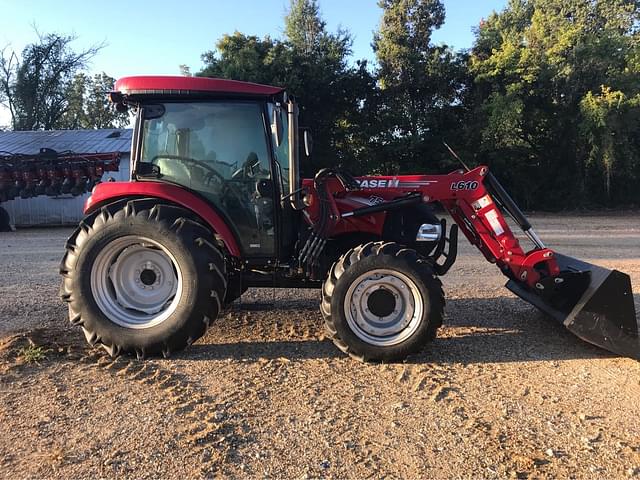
136,282
404,316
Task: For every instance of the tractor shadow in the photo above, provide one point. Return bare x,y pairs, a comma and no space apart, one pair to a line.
476,330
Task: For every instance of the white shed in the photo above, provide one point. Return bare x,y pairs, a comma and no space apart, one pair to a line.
62,209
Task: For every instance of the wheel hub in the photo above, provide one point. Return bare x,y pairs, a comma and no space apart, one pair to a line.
148,276
383,307
136,282
381,302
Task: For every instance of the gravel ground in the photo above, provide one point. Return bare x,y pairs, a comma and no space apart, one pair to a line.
503,392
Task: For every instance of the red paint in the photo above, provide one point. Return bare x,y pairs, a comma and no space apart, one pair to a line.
110,191
501,248
484,227
174,84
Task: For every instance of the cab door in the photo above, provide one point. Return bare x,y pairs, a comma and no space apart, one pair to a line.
288,219
220,150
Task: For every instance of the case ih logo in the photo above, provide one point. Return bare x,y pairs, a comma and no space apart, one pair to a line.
377,183
393,183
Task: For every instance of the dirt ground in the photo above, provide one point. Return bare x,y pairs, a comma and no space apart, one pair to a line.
503,391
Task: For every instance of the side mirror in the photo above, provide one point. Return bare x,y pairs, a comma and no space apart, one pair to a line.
276,126
122,107
308,143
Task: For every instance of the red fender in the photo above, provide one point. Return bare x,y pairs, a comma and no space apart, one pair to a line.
110,191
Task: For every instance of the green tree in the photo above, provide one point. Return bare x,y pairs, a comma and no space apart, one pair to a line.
332,92
609,123
247,58
544,72
304,28
74,116
422,86
88,106
34,84
100,112
313,65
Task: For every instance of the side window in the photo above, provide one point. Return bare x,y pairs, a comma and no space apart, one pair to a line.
220,150
193,143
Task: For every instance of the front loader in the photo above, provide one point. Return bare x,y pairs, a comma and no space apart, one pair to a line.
216,205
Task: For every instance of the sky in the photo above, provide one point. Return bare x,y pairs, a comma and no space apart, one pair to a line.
155,37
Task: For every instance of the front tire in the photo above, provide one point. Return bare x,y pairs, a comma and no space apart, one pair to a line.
142,277
382,302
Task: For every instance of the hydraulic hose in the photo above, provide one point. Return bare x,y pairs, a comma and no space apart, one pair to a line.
507,202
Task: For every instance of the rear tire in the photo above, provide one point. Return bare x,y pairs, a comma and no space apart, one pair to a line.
142,277
382,302
5,221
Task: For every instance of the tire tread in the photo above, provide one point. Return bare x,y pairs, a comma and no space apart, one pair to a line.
176,219
381,248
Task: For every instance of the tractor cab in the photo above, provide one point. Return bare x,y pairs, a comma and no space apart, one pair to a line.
234,144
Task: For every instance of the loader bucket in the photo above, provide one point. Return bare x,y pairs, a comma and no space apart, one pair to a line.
592,302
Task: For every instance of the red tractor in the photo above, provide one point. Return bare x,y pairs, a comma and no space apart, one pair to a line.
216,205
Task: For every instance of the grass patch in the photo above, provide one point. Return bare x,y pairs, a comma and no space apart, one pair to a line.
33,353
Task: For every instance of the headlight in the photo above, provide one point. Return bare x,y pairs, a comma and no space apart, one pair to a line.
429,232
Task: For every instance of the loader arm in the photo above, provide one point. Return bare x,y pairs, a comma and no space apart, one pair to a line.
594,303
465,195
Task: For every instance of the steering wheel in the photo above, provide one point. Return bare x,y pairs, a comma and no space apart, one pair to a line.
249,167
210,174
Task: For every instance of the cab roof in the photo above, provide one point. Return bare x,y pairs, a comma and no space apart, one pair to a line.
175,85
